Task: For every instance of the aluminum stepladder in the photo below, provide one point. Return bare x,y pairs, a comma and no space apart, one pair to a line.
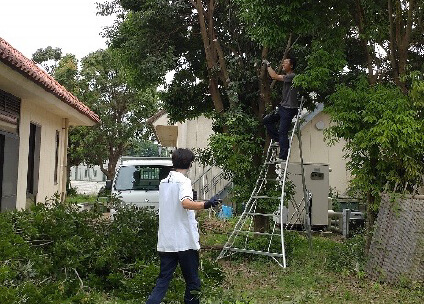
244,235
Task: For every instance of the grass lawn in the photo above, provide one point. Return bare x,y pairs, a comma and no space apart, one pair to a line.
320,275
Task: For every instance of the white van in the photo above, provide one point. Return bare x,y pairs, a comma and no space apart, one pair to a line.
137,180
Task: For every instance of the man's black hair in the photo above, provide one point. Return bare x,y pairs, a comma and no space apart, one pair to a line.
293,61
182,158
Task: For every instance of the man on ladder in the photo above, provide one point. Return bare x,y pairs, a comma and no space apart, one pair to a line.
287,108
240,239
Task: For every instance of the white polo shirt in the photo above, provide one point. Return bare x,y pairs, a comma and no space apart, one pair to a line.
178,229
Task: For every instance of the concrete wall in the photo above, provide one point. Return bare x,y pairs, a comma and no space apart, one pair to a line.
195,134
48,123
316,150
85,173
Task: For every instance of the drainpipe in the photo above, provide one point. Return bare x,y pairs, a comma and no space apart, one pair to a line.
65,134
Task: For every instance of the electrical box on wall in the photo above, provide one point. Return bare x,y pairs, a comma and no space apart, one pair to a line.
317,182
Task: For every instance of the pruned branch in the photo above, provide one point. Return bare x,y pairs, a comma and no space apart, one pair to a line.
79,278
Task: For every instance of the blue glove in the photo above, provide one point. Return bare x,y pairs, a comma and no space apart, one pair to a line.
214,201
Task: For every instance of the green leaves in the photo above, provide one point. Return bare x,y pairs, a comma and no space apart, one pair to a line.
47,58
235,150
384,135
55,253
122,108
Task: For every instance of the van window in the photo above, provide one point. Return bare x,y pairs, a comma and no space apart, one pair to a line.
140,177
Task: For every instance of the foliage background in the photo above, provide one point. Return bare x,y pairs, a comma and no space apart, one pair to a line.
55,254
361,58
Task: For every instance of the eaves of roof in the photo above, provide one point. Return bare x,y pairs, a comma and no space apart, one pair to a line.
155,117
18,62
310,115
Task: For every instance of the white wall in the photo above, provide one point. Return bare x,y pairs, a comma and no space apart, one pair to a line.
316,150
49,123
85,173
195,134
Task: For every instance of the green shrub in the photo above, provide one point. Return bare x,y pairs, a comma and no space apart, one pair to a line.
55,253
103,192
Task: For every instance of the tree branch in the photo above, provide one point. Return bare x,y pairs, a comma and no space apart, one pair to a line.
369,53
203,31
79,278
408,30
392,40
289,46
210,58
224,72
264,89
398,20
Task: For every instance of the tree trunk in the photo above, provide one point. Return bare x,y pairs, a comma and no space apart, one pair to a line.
211,53
369,224
260,223
370,53
372,209
265,92
400,38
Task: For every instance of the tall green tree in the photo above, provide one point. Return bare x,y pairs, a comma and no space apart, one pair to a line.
48,58
123,109
216,48
217,69
383,123
102,84
366,64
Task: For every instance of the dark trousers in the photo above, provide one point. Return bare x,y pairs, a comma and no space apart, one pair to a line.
189,263
285,116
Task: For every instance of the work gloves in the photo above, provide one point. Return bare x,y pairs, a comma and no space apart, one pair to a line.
266,62
214,201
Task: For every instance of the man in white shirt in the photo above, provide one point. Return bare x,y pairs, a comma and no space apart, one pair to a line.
178,235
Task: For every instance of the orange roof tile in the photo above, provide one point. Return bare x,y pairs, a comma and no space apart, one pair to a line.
15,60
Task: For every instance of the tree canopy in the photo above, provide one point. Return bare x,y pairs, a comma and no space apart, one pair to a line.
101,83
123,110
362,58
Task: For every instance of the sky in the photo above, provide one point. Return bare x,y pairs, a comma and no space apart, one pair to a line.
71,25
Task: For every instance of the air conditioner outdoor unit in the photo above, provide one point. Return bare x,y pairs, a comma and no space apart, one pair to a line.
317,182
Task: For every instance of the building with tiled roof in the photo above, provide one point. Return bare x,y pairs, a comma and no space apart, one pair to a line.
35,115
